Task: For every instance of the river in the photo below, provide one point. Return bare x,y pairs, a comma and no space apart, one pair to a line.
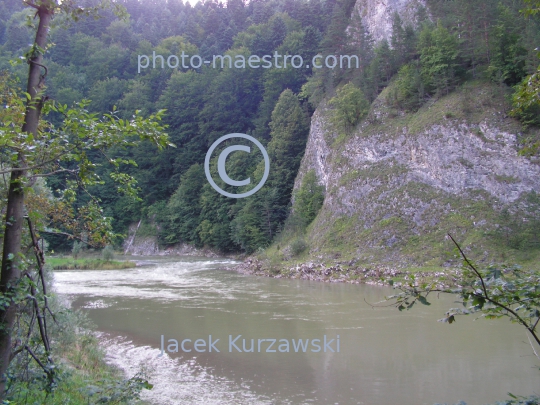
385,357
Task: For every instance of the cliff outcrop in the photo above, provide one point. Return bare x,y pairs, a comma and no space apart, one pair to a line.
401,181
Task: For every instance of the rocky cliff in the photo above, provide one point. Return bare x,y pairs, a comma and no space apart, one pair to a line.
377,14
400,182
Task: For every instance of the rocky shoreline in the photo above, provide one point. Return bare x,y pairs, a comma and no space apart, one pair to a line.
347,273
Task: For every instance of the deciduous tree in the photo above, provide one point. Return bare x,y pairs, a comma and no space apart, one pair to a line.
36,150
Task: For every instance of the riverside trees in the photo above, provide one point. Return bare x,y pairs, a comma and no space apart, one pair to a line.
33,148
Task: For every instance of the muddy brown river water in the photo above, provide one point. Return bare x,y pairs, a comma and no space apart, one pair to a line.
385,357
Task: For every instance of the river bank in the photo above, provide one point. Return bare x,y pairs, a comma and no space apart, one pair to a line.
82,374
349,273
90,263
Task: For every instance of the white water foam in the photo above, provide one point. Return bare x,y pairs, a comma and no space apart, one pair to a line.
177,381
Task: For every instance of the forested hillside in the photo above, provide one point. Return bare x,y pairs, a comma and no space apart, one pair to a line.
430,52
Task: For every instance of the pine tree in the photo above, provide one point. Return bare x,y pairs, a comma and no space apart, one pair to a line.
440,59
359,42
335,40
257,220
397,40
509,56
289,130
184,208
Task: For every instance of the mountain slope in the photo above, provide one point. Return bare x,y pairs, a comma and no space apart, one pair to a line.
402,181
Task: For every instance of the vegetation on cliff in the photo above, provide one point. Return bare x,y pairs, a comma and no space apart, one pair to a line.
446,45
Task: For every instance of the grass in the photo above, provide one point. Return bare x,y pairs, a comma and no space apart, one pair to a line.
61,263
82,376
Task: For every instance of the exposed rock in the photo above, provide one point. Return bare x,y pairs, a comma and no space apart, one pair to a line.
400,176
377,14
148,246
375,275
453,157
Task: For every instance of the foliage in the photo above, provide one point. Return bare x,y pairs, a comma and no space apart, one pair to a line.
67,149
257,221
508,58
440,59
496,292
350,106
516,400
76,249
526,100
309,198
520,400
409,88
521,230
107,253
98,59
532,7
58,263
82,371
118,392
38,148
183,208
298,246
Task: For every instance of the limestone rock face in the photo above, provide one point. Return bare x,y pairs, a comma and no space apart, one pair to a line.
454,157
377,14
401,181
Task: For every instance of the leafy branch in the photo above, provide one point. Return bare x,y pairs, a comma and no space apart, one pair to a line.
494,293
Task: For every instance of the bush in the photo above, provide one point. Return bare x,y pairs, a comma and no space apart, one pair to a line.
526,100
76,249
82,376
309,198
351,105
298,246
107,253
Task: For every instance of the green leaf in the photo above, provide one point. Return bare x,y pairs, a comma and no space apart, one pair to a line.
147,385
478,302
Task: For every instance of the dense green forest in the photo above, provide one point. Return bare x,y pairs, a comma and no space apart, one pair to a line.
429,57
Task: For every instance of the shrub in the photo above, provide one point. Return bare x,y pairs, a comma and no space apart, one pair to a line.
107,253
351,105
76,249
309,198
298,246
526,100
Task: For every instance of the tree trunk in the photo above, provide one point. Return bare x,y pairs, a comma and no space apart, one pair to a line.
10,271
